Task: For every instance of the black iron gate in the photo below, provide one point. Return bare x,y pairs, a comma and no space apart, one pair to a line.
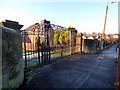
36,49
39,47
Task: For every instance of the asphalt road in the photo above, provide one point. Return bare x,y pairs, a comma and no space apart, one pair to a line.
78,71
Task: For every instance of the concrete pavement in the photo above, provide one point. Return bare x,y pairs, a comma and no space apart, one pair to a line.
77,71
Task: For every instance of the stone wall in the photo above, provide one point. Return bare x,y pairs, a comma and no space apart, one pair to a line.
86,45
12,60
89,46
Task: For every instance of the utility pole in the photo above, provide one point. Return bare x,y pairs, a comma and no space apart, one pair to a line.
103,35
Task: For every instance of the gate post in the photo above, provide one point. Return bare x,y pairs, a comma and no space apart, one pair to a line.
72,33
12,60
81,42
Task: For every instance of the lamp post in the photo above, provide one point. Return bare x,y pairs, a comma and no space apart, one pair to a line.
103,35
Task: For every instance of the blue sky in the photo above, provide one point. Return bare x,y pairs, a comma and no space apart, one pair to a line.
84,16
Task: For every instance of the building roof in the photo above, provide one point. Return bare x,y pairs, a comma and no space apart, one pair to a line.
31,27
11,24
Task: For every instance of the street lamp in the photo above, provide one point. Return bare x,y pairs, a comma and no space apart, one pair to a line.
103,35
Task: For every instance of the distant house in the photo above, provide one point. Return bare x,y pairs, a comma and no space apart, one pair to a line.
31,36
115,36
91,36
84,37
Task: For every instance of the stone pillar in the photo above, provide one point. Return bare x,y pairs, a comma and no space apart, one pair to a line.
12,60
81,42
72,33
